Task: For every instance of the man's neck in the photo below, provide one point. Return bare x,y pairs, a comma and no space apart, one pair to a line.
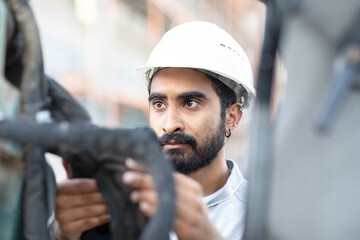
214,176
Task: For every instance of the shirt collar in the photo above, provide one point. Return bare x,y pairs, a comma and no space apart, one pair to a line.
232,184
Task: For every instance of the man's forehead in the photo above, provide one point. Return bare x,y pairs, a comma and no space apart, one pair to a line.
183,79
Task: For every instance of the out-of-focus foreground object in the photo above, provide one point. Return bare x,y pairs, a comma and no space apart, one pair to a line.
27,186
305,163
38,116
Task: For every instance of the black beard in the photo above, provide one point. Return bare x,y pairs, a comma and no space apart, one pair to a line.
199,157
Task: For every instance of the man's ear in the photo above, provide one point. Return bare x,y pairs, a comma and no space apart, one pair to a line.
233,116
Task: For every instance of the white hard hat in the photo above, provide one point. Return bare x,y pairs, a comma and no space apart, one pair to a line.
205,47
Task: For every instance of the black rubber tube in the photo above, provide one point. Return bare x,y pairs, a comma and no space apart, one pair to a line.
33,90
104,146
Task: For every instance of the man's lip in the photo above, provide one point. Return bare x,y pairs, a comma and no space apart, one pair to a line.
169,146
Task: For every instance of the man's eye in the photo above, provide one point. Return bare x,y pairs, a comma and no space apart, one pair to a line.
191,103
158,105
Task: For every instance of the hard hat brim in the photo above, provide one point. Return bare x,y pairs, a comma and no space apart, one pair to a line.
244,94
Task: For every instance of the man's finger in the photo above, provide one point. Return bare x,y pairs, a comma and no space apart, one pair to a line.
188,207
71,201
133,165
138,180
147,208
76,228
188,198
185,183
77,186
73,214
181,228
149,196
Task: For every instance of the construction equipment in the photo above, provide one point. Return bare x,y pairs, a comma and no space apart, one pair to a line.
304,173
38,116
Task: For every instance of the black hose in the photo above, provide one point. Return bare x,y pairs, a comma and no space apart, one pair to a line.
104,150
98,151
261,153
33,88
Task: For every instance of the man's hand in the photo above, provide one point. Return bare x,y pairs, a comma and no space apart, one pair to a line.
79,207
191,220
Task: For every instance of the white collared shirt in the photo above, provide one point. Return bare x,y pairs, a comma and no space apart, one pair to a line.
226,207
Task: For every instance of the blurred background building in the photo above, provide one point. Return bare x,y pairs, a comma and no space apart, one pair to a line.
92,47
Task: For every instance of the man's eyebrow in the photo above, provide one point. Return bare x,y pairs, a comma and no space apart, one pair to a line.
156,95
192,94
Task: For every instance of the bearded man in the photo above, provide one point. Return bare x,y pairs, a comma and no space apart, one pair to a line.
199,81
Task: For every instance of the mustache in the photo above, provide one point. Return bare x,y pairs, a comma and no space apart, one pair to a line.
180,138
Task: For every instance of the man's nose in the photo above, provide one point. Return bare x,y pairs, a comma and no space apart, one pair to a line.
173,122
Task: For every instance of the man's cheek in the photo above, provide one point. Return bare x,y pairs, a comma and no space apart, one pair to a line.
154,124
